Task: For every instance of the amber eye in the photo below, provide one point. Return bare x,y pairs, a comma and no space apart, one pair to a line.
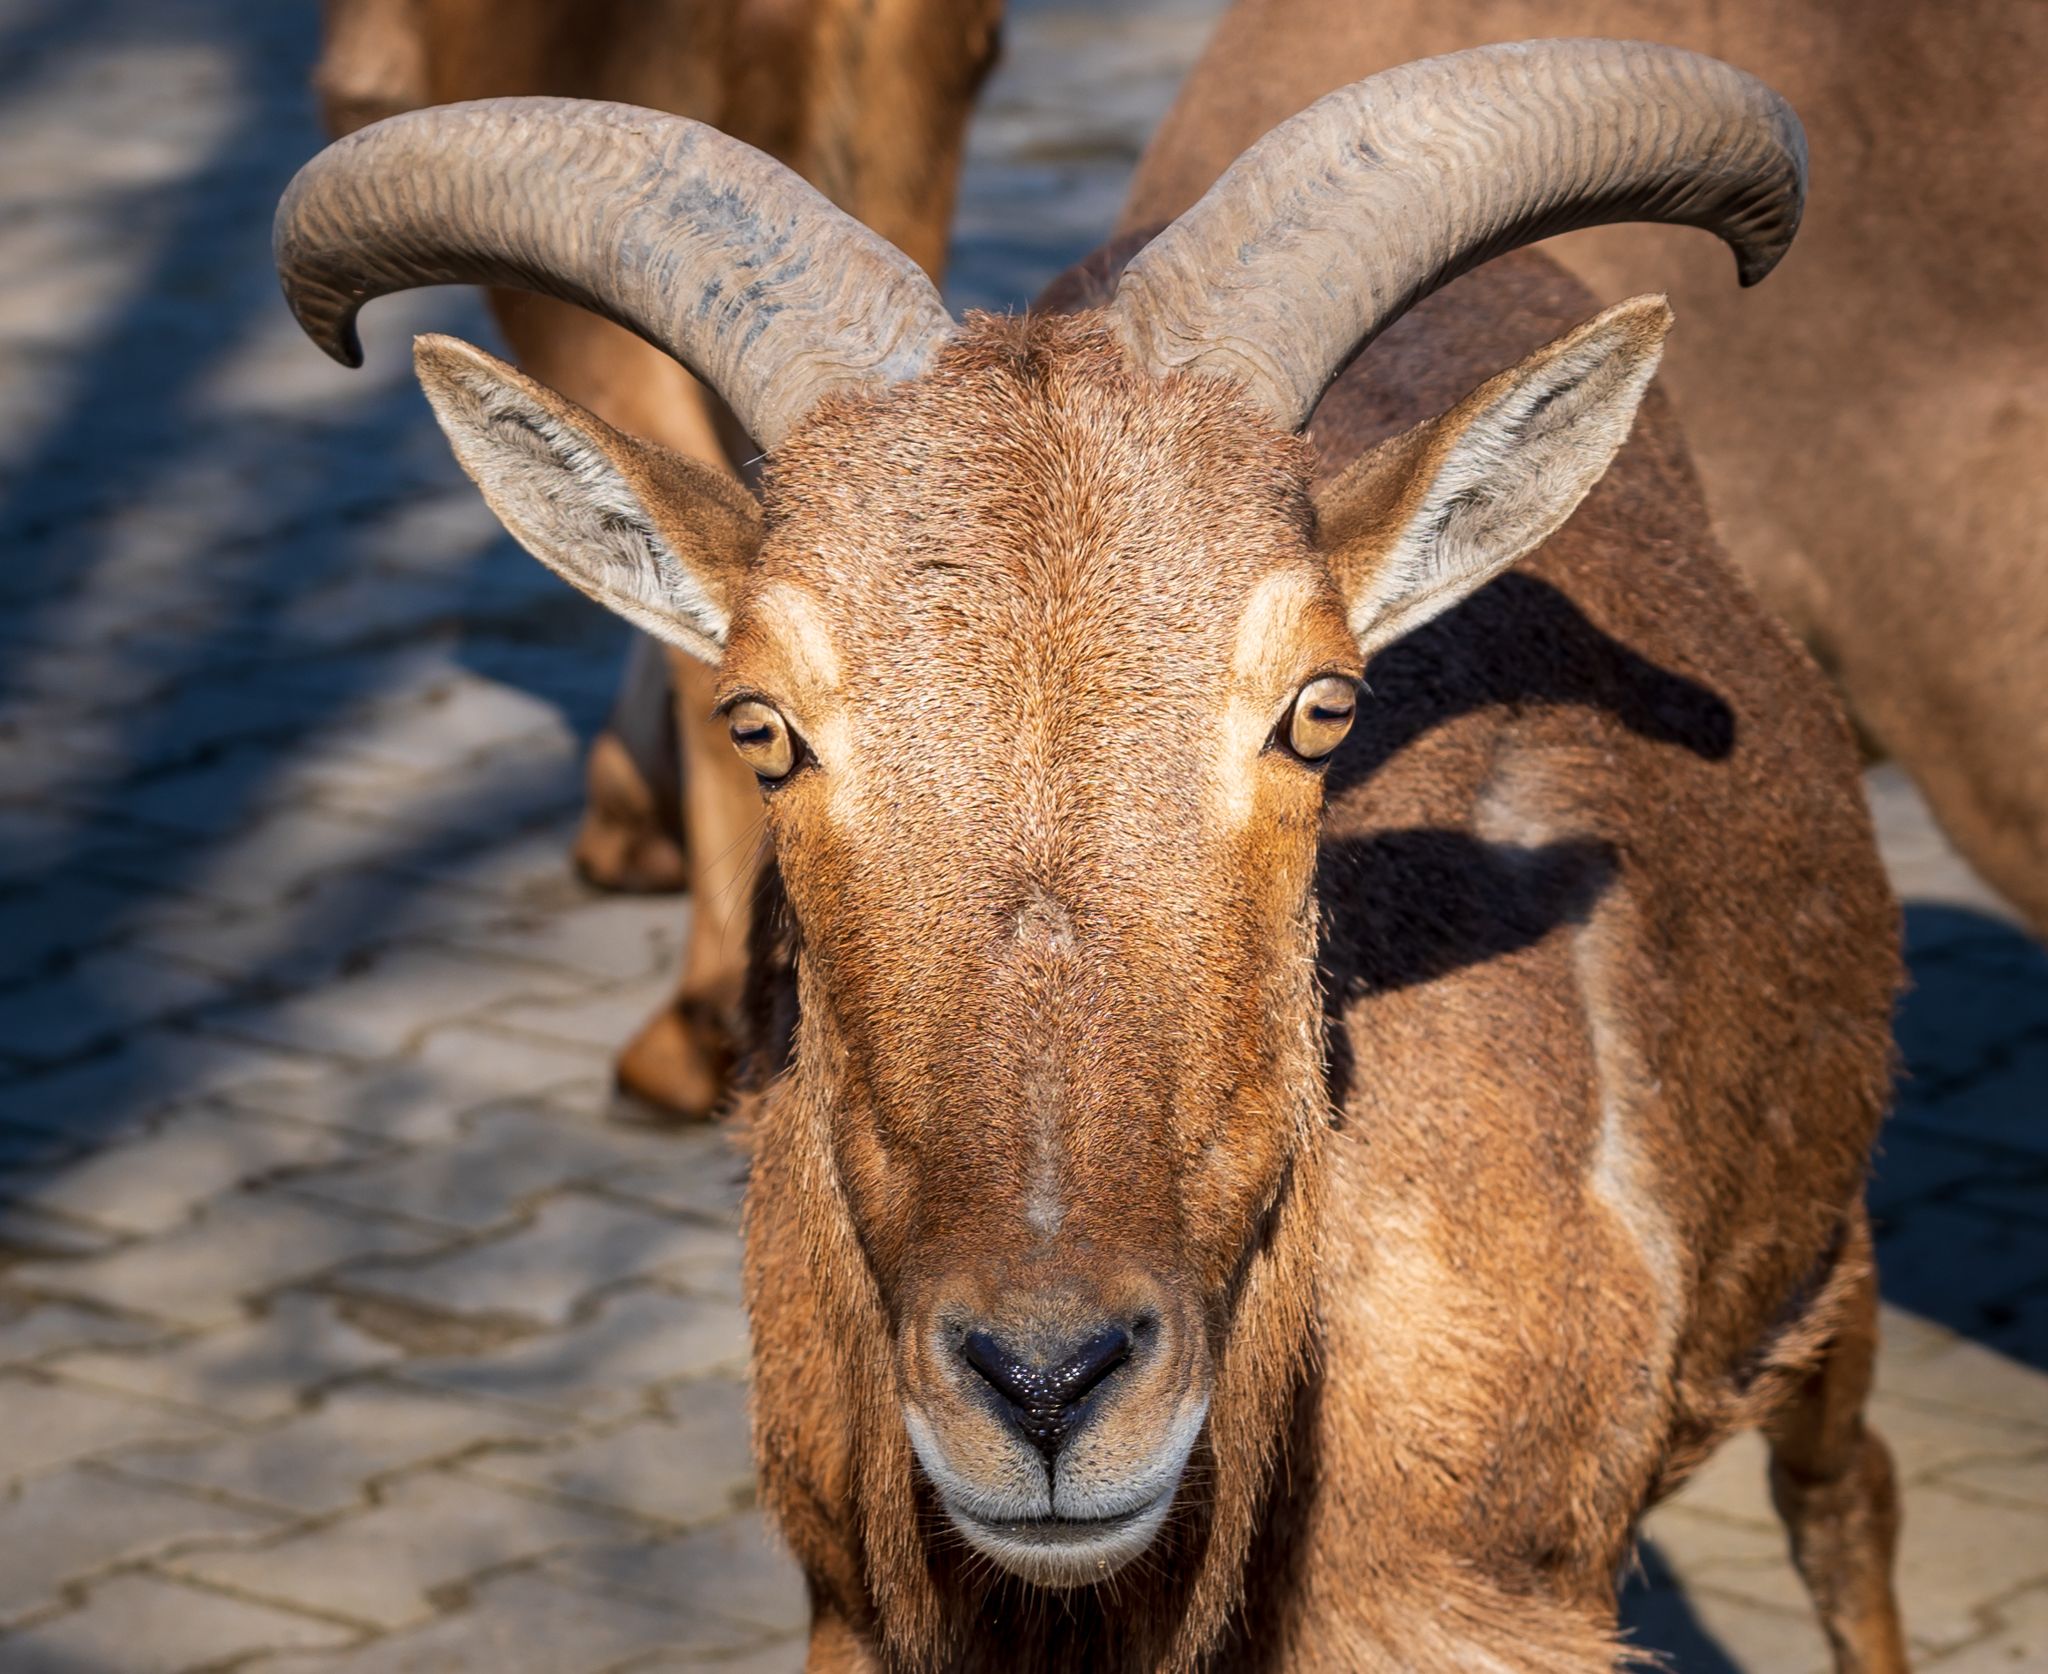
763,739
1322,716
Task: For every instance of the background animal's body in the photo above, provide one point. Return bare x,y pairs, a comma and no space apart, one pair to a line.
1871,426
869,103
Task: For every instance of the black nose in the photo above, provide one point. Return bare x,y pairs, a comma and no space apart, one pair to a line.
1047,1399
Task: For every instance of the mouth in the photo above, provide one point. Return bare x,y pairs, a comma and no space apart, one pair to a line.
1064,1551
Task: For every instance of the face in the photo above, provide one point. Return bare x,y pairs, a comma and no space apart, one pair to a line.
1039,669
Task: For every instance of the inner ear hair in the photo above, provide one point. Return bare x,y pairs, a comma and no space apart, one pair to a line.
1429,516
656,537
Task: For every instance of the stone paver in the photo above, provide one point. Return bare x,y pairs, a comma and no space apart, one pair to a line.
257,1370
616,941
149,1072
31,1331
601,1019
378,1011
2023,1481
156,1182
2017,1644
51,1019
509,1156
733,1568
326,1460
688,1465
242,1248
340,1331
47,1424
358,914
600,1365
575,1246
65,1527
384,1567
141,1624
785,1656
702,1175
531,1621
423,1097
26,1230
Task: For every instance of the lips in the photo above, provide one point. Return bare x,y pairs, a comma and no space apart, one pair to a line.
1064,1551
1060,1531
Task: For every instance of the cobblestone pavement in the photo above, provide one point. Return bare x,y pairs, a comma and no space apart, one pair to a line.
340,1333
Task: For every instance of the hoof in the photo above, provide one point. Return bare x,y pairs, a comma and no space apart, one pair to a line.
625,844
678,1069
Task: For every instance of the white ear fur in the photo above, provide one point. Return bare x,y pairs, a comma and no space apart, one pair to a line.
1497,475
574,492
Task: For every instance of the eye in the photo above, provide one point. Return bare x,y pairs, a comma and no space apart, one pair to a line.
763,739
1323,713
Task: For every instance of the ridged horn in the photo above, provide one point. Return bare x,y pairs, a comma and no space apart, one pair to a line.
711,251
1341,219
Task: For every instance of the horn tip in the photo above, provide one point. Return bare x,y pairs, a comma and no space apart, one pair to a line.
333,331
343,347
1755,263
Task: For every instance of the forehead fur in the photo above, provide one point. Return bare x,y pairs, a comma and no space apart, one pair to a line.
1034,472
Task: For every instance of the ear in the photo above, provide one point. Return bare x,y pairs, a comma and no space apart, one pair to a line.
660,539
1428,517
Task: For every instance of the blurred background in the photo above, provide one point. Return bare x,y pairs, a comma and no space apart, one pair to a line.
340,1329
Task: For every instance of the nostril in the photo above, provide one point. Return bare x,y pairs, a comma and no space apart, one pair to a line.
1088,1365
1012,1377
1046,1399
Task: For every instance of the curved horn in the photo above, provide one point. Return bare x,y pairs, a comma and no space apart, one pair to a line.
1341,219
713,252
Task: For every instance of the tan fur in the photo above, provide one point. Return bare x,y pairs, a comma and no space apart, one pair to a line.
1870,425
868,102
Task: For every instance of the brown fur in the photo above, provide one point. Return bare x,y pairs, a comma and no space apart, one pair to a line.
1870,425
869,102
